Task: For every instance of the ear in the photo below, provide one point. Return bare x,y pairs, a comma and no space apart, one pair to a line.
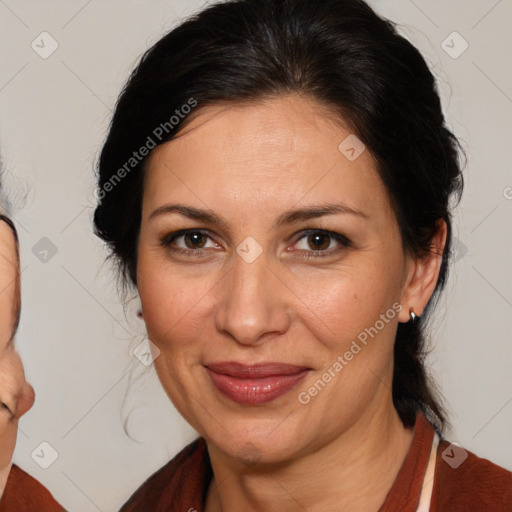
422,275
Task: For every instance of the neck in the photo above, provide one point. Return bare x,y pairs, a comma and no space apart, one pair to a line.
334,477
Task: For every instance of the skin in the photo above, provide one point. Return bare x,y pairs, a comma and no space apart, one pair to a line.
249,164
16,394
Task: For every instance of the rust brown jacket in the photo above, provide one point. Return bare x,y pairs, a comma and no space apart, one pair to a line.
23,493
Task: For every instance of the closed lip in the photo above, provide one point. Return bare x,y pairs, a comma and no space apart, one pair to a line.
254,384
256,370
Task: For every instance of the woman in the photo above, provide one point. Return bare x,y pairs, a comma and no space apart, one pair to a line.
18,490
276,184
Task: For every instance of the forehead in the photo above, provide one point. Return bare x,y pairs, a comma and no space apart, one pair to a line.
278,150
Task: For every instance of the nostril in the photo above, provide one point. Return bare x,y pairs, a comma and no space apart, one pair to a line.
5,408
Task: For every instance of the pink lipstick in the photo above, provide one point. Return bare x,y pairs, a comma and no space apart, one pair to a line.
256,383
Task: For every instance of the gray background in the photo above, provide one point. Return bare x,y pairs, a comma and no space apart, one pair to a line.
77,344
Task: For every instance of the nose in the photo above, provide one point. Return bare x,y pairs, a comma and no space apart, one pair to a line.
255,303
26,400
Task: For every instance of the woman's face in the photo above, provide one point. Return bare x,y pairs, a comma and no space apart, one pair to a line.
264,275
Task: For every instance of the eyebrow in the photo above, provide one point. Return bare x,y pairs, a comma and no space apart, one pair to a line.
289,217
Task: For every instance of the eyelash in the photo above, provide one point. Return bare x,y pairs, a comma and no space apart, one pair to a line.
341,239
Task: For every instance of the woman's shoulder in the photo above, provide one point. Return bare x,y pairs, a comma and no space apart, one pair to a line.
23,492
465,481
180,482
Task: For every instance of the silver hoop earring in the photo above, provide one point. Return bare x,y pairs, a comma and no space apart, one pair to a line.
412,315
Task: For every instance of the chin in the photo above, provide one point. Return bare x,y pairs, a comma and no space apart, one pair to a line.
258,443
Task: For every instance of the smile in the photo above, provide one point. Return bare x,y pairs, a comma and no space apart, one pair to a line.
254,384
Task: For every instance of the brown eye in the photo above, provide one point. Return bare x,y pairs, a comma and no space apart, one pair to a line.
319,241
189,243
195,240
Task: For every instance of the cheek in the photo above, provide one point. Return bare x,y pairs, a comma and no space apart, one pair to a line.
172,306
175,306
353,343
339,306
